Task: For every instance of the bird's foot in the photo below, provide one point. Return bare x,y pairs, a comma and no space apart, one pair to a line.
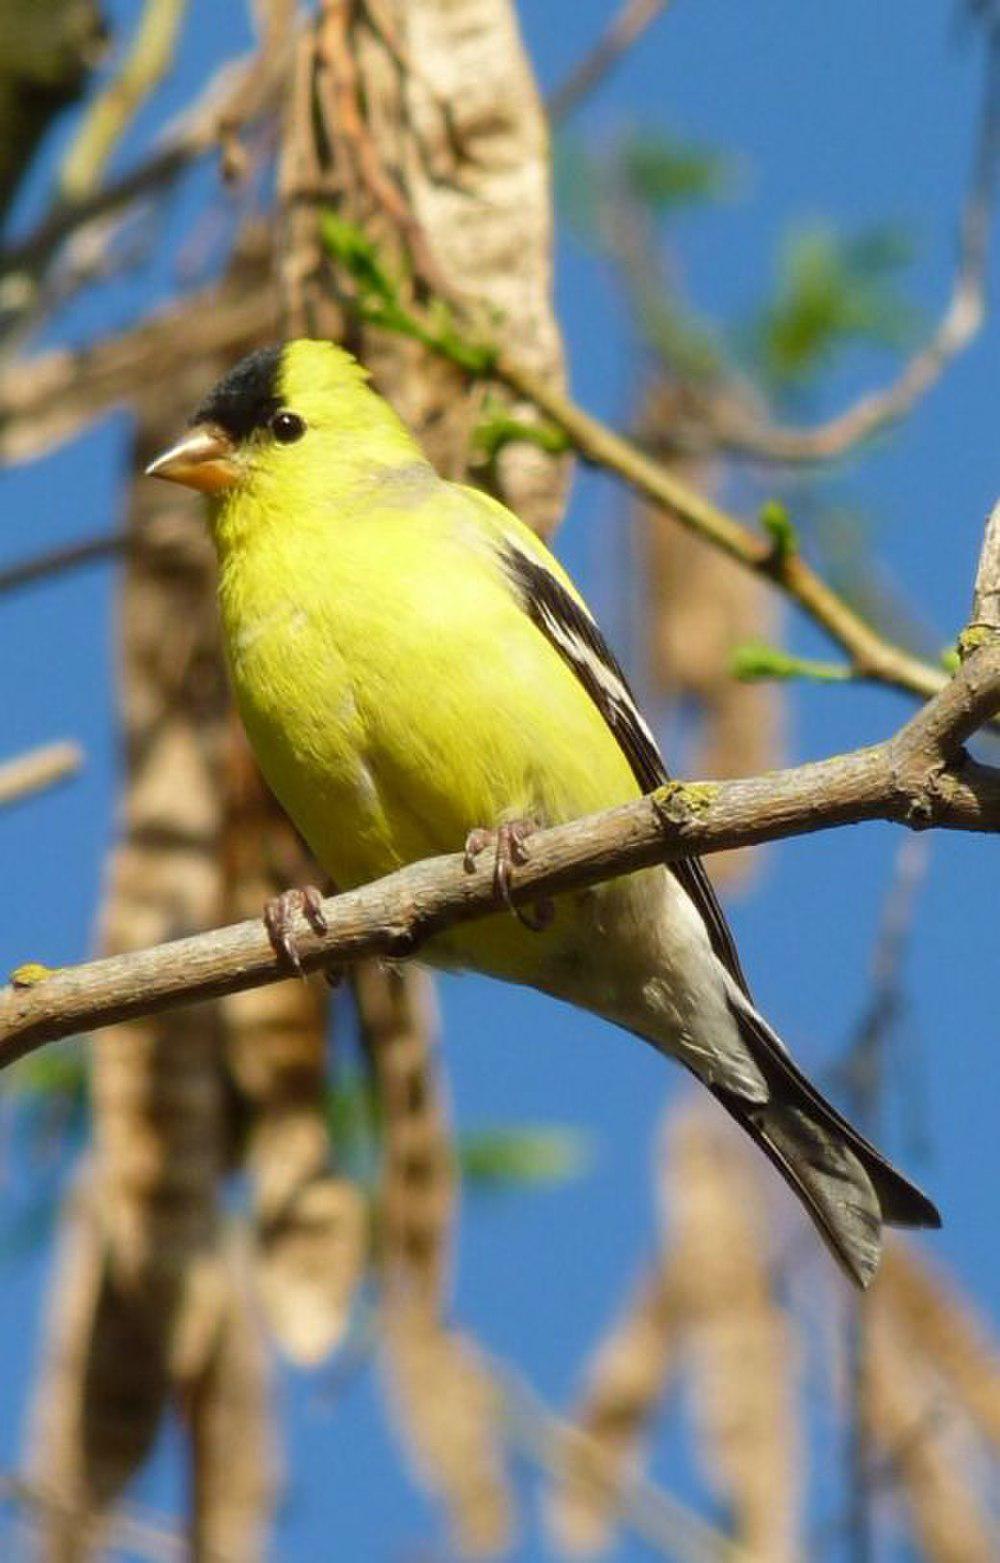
510,851
279,920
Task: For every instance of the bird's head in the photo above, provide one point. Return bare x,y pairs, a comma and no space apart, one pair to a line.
285,423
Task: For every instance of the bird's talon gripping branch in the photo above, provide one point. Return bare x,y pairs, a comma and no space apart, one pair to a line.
476,843
509,842
279,919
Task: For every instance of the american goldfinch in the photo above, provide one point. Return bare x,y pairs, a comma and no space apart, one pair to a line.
415,673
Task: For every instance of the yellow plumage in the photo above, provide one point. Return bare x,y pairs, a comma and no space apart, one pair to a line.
393,691
418,694
412,665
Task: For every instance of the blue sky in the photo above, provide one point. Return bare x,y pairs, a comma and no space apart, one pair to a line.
855,113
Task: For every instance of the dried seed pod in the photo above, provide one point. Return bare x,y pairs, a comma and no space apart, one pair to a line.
102,1390
948,1332
147,1315
448,1416
311,1224
922,1446
699,607
446,1410
229,1413
422,124
624,1388
741,1357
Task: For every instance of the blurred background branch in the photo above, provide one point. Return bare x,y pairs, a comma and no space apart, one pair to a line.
739,431
37,769
118,101
626,28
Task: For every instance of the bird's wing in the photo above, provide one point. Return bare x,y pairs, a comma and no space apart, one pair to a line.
844,1182
563,618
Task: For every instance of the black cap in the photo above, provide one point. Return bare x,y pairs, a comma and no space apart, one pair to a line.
247,397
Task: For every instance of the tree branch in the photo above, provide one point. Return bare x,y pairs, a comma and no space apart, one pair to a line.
239,93
737,429
920,777
38,769
623,31
871,656
55,561
48,397
669,1527
109,114
986,594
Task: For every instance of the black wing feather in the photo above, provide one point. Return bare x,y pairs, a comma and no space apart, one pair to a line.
810,1143
566,624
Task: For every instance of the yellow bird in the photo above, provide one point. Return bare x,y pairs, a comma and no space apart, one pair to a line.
416,672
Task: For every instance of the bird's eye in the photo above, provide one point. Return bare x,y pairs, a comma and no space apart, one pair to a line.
287,427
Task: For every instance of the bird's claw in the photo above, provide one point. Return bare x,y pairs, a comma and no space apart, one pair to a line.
509,841
279,920
476,843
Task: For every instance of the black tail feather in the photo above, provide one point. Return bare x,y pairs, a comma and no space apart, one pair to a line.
845,1183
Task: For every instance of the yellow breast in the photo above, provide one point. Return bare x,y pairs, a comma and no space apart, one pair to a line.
397,697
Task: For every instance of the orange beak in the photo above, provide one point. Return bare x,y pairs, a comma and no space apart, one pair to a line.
204,459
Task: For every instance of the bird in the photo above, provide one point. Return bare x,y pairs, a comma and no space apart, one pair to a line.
417,674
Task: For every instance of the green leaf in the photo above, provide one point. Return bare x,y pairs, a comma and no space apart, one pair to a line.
498,429
351,246
379,300
831,291
776,522
756,660
665,174
59,1070
577,180
508,1158
950,659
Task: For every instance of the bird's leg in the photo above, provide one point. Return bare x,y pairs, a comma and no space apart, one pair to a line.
279,920
511,851
509,841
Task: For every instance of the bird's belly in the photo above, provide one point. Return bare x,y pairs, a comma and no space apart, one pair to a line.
363,732
368,804
302,718
372,786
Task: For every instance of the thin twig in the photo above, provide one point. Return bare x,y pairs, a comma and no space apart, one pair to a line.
150,1537
48,397
55,561
237,94
110,113
920,777
624,30
871,656
985,618
662,1521
863,1075
38,769
737,428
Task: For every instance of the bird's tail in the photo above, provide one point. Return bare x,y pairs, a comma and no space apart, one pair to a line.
848,1187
